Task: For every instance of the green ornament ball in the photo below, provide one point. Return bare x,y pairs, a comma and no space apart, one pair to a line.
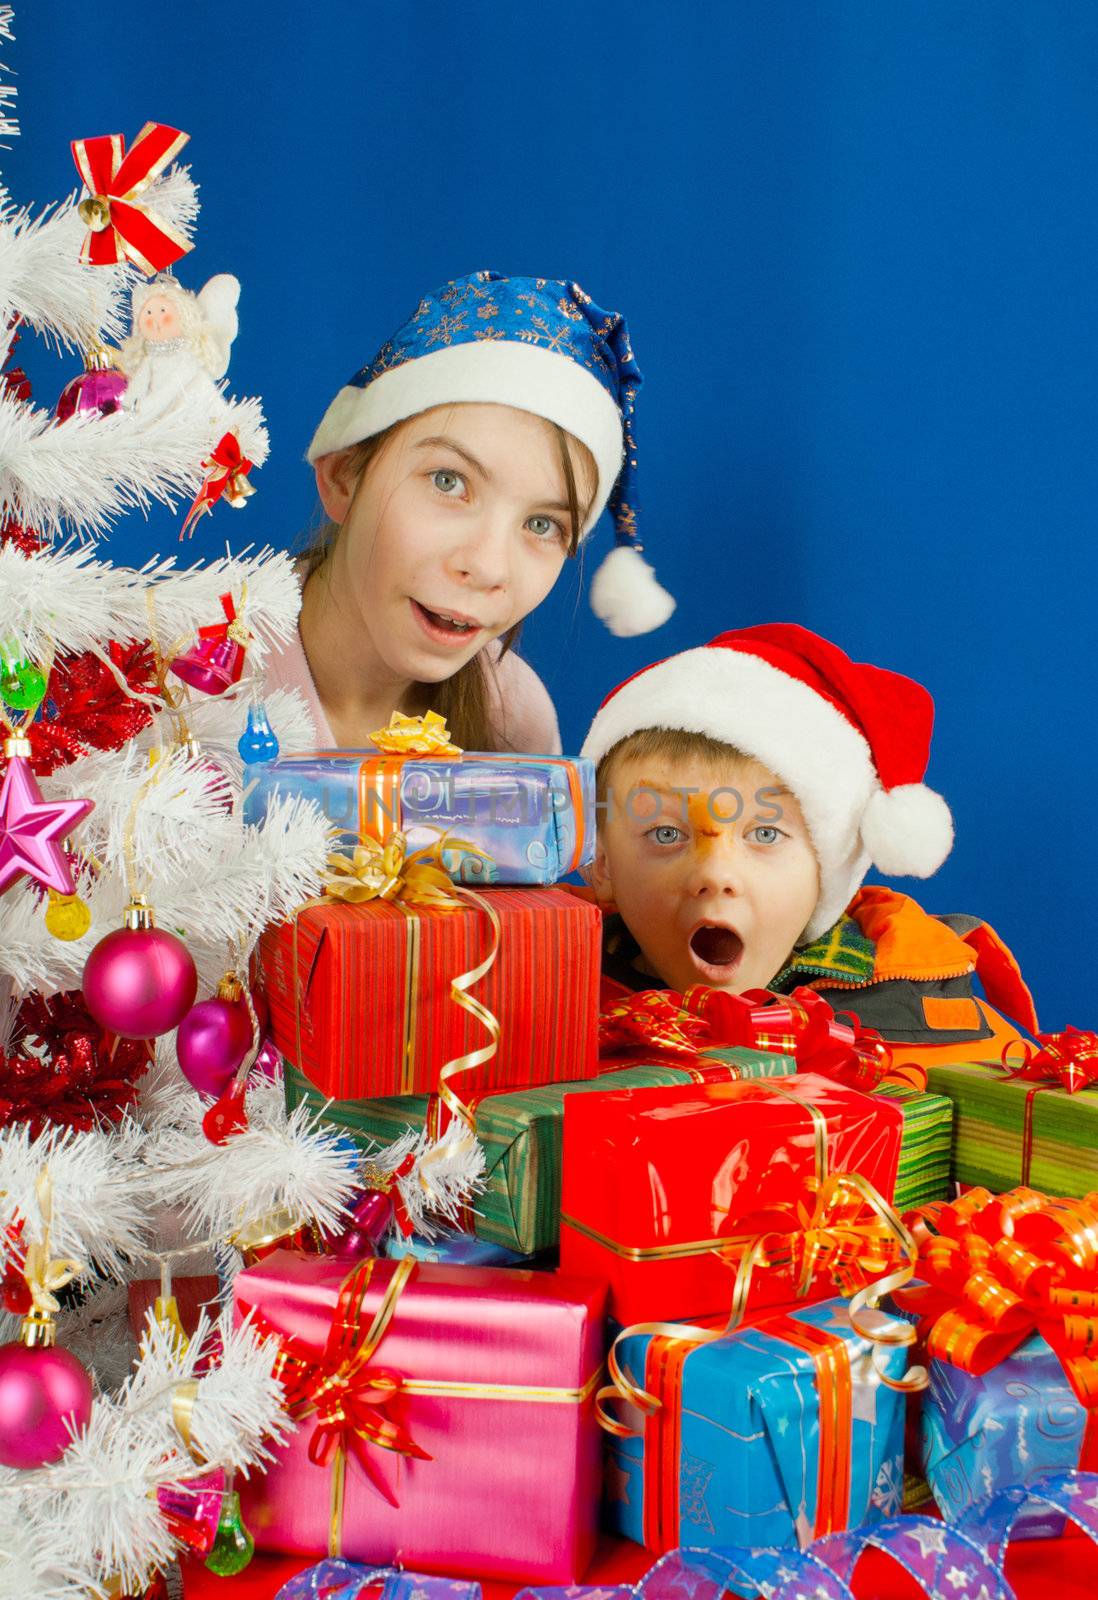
22,685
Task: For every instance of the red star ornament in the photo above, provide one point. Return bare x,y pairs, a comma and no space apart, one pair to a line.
29,826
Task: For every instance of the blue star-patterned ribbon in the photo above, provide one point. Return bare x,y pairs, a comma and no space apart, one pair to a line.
962,1560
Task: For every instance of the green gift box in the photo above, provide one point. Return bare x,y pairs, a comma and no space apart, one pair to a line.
925,1146
996,1117
522,1134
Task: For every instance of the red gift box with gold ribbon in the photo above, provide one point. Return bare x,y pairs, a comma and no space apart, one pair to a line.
662,1189
447,1415
360,994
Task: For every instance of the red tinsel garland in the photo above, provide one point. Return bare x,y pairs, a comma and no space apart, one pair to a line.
63,1070
85,709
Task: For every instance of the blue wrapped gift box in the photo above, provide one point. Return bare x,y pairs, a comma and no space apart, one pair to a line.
772,1435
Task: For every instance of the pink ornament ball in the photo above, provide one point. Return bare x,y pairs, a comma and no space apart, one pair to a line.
42,1389
268,1063
140,982
99,390
212,1041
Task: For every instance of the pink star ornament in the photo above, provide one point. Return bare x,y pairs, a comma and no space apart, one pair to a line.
29,826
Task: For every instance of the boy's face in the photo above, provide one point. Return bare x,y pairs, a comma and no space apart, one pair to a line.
712,869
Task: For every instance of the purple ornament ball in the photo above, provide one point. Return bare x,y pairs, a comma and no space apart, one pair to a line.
41,1390
212,1041
140,982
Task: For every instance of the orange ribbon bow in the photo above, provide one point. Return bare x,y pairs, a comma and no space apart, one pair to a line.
999,1268
350,1397
119,225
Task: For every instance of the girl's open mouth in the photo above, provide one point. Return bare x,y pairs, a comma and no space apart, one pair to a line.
443,626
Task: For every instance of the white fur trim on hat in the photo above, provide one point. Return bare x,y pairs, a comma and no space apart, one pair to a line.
744,701
627,596
491,372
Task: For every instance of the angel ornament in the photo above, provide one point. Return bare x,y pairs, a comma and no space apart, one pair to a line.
180,344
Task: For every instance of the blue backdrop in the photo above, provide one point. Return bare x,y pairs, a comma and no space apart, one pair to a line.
856,244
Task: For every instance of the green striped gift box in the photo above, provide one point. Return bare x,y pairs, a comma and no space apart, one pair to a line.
989,1131
522,1135
925,1146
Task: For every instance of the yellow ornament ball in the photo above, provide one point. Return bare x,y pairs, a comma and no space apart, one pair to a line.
67,916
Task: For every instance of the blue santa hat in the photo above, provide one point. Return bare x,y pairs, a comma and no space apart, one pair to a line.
540,345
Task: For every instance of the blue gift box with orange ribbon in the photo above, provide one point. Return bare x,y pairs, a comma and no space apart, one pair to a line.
504,818
774,1435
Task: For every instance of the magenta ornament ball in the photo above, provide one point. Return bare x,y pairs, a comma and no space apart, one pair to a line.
41,1390
140,982
268,1063
99,390
212,1041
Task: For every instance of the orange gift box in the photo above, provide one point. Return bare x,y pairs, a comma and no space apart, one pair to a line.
662,1189
360,997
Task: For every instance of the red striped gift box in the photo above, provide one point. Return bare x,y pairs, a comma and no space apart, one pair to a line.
360,995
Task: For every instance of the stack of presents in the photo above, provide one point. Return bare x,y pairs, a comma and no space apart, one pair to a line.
735,1273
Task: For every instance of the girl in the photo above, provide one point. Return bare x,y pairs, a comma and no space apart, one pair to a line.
458,471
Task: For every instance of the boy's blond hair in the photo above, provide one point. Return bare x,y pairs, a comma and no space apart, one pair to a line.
665,744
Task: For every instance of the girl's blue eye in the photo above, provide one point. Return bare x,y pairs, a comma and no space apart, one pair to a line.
447,482
765,834
665,833
544,527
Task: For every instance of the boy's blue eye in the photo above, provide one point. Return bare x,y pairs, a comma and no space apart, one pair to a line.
766,834
447,482
665,833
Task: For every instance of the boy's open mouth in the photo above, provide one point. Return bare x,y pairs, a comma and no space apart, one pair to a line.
716,948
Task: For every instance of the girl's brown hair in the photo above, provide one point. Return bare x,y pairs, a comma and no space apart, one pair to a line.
463,699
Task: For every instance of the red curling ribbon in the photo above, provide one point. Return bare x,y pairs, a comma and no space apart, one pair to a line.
1067,1060
801,1024
227,469
999,1268
119,225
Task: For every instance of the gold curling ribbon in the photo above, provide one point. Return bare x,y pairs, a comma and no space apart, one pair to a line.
416,736
830,1238
378,871
184,1395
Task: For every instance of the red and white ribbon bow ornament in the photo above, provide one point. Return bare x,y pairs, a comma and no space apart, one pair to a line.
119,225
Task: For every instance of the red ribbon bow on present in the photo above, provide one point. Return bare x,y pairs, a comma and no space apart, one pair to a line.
1068,1060
227,469
801,1024
350,1397
999,1268
119,225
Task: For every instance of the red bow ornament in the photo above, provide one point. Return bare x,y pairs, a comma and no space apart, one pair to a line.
227,469
119,225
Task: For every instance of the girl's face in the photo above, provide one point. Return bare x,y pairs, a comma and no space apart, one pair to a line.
457,530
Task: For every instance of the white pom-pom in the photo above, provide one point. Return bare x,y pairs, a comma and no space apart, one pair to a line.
626,595
908,831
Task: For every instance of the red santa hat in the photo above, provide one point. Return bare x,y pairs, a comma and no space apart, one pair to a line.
850,740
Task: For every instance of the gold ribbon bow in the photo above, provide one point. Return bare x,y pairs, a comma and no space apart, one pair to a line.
377,871
43,1276
416,736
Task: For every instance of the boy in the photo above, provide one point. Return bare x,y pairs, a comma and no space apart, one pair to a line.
746,787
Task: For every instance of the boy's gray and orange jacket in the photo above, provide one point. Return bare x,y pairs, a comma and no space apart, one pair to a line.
910,976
